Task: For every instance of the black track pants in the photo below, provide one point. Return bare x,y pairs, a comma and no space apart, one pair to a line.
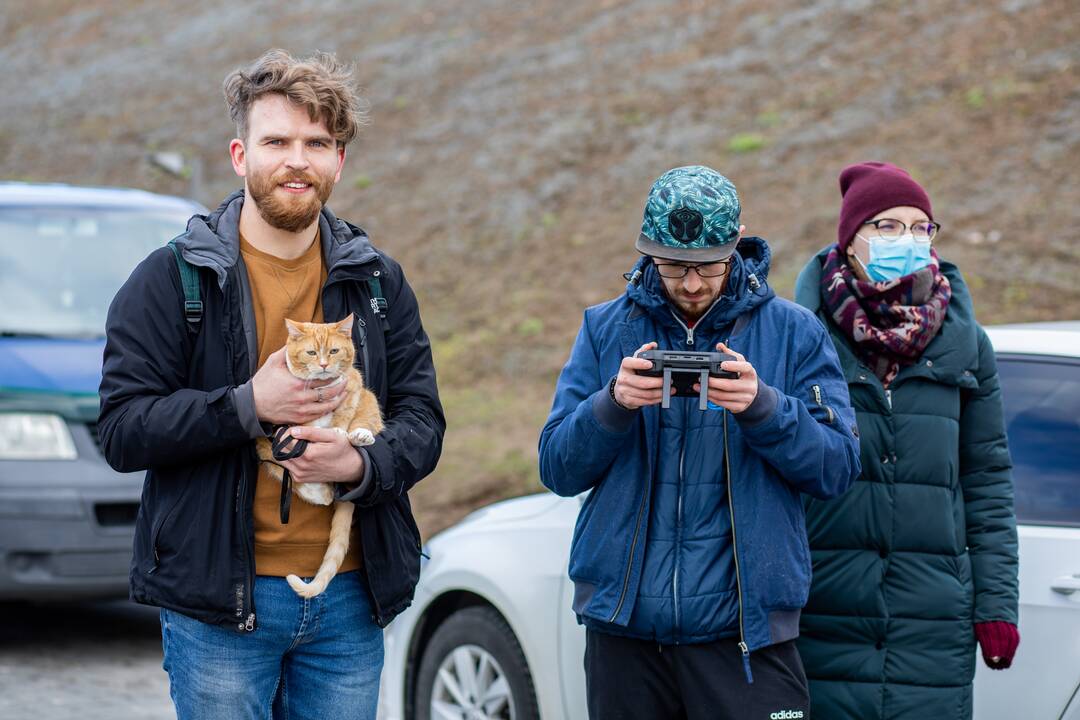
638,680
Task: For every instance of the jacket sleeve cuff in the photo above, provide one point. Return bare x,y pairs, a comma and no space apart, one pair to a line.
611,416
349,493
243,397
762,408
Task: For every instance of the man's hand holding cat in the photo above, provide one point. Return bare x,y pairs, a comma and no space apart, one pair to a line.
328,458
281,398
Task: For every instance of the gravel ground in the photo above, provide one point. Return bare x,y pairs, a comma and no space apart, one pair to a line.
86,661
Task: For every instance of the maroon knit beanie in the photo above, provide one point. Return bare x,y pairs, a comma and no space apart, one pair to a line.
870,187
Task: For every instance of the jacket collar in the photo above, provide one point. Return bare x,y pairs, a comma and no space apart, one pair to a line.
950,357
213,241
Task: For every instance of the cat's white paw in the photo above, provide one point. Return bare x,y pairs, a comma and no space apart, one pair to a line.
341,431
361,437
315,493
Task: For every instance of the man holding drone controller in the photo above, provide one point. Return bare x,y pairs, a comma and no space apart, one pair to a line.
690,562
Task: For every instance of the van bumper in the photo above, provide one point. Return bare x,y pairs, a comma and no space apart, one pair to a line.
66,527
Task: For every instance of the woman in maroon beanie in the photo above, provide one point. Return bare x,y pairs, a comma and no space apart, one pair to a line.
917,561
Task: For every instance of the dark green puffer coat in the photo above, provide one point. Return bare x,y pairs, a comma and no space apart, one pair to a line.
923,545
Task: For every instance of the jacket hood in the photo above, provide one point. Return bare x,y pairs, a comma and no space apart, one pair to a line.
746,288
213,240
808,283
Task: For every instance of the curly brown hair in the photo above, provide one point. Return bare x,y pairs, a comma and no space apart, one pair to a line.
320,83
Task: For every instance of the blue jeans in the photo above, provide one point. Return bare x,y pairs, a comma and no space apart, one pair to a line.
318,658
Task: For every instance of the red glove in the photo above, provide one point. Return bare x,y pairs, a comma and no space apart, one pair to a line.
999,641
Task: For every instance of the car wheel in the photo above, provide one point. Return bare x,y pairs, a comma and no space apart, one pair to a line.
473,669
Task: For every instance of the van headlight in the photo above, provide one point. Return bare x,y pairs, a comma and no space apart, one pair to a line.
35,436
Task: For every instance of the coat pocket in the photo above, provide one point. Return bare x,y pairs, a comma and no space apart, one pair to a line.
162,521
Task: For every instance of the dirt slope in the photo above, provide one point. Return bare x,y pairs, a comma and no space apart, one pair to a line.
512,146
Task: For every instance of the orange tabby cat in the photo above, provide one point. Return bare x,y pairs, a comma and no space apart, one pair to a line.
321,351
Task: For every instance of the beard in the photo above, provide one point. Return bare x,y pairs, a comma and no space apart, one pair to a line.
285,212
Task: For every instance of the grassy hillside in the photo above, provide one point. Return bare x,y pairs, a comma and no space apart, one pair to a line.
513,144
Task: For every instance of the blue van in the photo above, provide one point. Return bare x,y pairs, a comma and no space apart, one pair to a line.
66,518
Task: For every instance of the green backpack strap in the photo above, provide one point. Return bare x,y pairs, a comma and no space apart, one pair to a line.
378,303
193,307
189,277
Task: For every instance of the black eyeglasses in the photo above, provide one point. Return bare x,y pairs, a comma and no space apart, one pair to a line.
890,229
706,270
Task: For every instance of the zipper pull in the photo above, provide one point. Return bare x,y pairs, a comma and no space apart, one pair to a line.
888,398
819,398
250,624
746,663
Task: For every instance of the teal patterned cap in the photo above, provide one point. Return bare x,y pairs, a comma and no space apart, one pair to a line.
692,215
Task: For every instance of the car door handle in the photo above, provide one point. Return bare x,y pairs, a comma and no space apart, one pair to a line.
1066,584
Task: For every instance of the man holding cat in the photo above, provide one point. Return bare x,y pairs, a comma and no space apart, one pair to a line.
690,561
184,399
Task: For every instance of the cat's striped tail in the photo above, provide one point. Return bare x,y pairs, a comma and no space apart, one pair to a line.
340,527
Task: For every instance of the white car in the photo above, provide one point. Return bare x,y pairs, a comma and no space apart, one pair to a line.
491,633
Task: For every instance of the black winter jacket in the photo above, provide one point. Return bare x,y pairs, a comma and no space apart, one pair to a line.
177,403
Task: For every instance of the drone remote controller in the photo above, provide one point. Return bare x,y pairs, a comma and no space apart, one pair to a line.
682,369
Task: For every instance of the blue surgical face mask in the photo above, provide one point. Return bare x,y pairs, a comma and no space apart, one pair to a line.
890,259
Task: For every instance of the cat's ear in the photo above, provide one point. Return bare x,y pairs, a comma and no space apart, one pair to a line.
295,330
345,326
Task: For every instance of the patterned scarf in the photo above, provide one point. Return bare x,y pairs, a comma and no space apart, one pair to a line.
892,322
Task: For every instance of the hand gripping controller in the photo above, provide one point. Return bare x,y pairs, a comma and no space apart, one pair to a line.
683,369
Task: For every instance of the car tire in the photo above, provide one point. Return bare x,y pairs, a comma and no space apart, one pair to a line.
476,647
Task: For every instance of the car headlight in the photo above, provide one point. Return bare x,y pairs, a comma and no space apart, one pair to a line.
35,436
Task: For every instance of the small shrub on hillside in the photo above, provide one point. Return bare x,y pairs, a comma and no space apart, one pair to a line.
975,98
530,326
746,143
